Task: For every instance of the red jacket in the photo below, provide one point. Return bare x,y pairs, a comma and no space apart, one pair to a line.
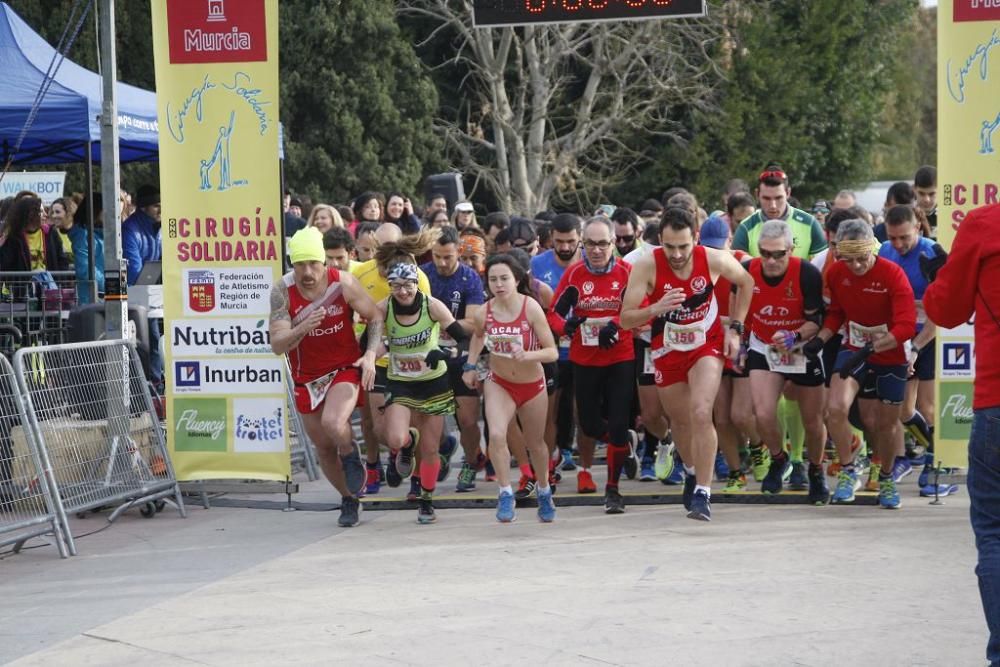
969,284
600,298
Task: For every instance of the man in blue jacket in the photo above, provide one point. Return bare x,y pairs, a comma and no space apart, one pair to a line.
140,244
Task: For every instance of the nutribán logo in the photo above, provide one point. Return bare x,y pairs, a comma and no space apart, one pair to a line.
217,31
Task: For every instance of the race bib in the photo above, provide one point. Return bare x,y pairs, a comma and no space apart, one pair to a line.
859,335
647,362
408,365
505,346
590,331
317,389
683,338
783,361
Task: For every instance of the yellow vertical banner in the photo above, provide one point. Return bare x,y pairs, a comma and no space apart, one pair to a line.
968,177
217,101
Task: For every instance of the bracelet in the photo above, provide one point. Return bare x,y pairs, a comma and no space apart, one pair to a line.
736,326
466,367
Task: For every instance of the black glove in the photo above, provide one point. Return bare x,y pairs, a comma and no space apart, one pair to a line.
852,363
929,266
567,300
572,324
434,356
608,335
814,348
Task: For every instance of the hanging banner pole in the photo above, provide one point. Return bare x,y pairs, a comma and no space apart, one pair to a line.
217,101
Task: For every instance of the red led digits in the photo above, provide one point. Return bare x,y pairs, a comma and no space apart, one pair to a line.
572,5
534,6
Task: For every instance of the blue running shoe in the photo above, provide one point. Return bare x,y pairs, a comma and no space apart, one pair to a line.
505,508
689,483
546,508
926,477
676,475
647,473
567,460
701,507
847,484
799,480
772,482
721,468
900,469
942,490
888,495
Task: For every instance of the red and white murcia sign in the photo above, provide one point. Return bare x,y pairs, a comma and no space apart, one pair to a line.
977,10
216,31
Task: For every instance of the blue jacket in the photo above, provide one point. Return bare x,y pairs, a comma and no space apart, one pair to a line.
140,243
81,259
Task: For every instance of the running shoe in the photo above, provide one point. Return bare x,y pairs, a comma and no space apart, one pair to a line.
772,483
392,476
676,475
701,507
613,502
585,482
833,470
525,488
721,467
446,450
466,479
425,512
942,490
901,468
873,473
799,479
404,456
664,464
847,484
355,473
690,481
505,508
546,508
647,472
926,476
554,479
888,495
373,484
760,462
736,482
819,492
631,465
567,460
350,512
414,491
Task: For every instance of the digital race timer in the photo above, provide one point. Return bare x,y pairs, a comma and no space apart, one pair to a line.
521,12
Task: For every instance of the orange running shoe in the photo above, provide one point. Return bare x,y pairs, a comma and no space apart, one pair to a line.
585,482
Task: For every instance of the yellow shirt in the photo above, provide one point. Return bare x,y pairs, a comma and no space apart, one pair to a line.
36,249
377,288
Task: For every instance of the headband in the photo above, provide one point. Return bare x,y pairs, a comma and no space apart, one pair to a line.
854,247
472,245
403,271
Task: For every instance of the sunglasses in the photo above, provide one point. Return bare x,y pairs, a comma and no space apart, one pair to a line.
777,254
774,174
625,240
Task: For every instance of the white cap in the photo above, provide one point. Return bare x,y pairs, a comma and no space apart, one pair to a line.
464,207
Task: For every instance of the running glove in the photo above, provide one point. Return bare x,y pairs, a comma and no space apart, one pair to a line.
853,362
608,335
929,266
434,356
572,324
813,348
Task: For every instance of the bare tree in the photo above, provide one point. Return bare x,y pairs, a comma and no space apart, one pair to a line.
566,111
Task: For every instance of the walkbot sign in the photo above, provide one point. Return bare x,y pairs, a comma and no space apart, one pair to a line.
217,99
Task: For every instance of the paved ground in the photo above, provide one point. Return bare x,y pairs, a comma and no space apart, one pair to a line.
760,585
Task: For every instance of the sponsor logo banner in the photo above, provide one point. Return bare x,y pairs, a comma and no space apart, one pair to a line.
241,335
226,375
200,424
259,425
217,31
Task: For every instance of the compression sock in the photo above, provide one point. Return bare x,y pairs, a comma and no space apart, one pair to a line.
429,473
616,459
918,427
795,430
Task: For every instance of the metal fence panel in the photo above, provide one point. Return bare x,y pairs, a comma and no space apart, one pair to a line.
90,406
27,507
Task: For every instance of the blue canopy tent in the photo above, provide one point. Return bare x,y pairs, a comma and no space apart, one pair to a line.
67,119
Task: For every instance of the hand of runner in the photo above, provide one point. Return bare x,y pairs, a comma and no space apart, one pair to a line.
471,379
929,266
670,301
731,350
852,363
367,364
813,348
434,356
608,335
314,319
572,324
784,340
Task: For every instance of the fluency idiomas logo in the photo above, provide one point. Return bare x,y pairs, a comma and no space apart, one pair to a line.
216,31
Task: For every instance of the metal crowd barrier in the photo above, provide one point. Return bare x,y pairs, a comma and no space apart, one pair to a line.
38,304
90,408
27,506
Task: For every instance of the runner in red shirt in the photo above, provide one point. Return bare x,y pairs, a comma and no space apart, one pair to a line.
689,343
874,298
312,312
787,308
600,349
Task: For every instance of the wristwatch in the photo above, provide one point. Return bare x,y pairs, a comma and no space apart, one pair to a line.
914,348
736,326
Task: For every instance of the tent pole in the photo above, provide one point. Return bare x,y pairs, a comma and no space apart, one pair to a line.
92,267
115,283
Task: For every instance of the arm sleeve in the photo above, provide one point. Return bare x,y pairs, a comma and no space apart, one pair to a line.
817,239
557,322
904,309
130,250
811,284
951,299
741,240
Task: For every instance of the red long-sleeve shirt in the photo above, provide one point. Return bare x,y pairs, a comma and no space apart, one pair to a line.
600,300
882,296
969,284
